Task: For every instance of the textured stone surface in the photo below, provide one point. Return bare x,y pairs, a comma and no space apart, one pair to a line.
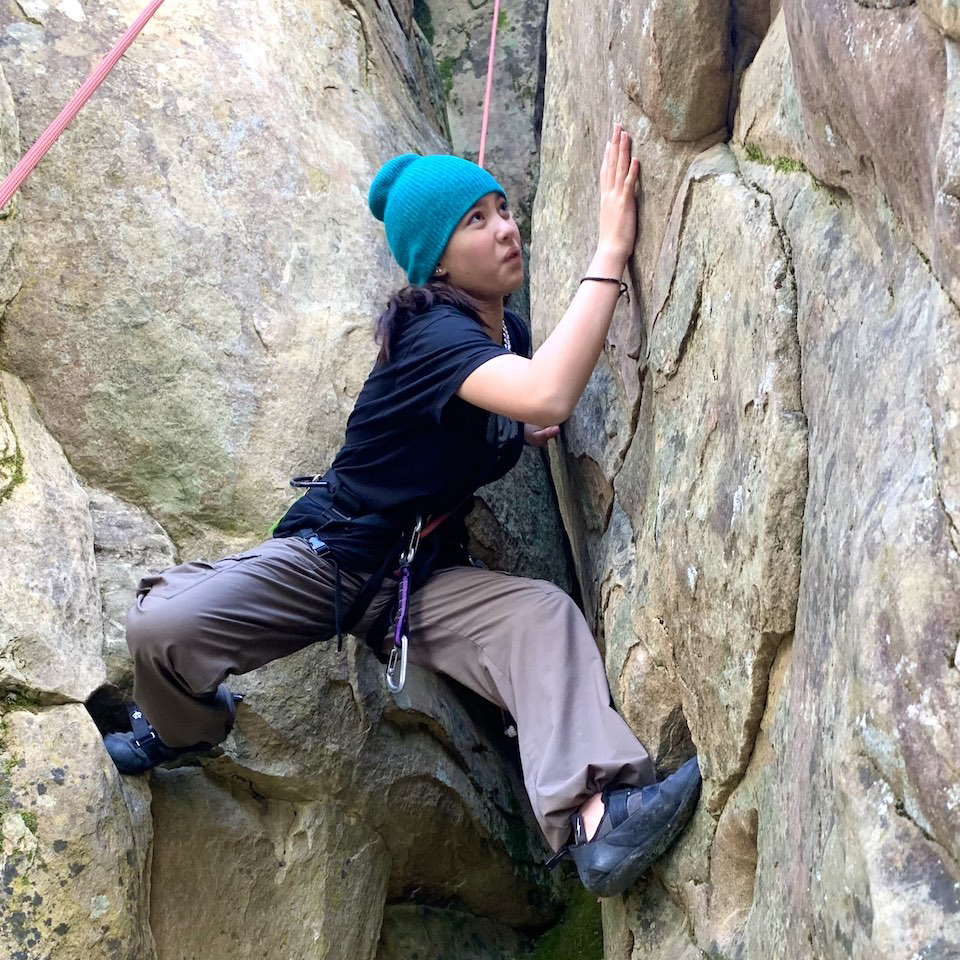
460,35
128,544
247,877
75,855
899,134
430,934
721,502
50,622
874,677
769,111
665,70
9,221
766,530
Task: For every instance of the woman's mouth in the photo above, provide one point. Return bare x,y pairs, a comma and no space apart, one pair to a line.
512,255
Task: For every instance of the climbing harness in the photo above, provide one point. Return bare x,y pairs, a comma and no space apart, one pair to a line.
405,550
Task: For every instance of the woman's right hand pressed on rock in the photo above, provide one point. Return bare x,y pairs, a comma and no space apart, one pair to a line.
619,173
545,388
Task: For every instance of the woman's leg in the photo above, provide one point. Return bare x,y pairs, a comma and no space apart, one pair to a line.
193,625
525,645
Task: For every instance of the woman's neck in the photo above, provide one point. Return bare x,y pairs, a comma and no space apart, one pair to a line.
491,313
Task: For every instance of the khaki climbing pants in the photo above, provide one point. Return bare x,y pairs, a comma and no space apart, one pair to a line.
520,643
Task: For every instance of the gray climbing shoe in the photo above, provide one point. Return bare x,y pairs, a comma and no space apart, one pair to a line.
142,749
637,826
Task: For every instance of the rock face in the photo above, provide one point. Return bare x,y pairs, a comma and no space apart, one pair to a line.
50,625
901,137
76,842
763,501
459,34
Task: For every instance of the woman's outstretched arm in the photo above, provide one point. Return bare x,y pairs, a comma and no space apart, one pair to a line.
545,388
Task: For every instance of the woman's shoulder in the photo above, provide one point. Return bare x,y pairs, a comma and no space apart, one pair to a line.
441,322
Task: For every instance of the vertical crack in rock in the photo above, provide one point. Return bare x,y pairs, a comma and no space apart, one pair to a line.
11,456
954,531
749,22
660,307
354,12
770,642
692,323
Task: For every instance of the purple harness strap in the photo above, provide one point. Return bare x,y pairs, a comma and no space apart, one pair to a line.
404,595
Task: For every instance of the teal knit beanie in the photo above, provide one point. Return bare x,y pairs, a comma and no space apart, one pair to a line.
420,201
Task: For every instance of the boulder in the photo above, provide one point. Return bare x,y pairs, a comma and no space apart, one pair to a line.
76,846
238,874
51,629
766,527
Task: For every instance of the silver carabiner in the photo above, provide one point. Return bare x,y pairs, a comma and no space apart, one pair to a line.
407,558
397,654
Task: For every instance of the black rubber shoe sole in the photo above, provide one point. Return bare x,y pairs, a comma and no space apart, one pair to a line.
618,872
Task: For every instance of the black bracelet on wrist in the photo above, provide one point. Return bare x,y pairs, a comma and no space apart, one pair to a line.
623,287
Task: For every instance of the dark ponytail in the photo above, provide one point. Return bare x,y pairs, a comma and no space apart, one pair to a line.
412,301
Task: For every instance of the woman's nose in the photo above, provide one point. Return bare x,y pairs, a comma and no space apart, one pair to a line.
506,229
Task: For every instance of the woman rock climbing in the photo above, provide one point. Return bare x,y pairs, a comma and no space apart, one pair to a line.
446,409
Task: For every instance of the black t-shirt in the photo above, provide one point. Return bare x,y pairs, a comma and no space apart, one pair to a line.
412,446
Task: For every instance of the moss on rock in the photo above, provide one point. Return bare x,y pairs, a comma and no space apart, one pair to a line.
579,935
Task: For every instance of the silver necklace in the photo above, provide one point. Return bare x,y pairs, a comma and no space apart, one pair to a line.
506,336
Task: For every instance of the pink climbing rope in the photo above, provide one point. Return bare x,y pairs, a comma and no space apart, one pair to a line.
486,96
33,156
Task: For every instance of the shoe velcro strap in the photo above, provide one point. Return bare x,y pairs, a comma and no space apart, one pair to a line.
616,806
142,730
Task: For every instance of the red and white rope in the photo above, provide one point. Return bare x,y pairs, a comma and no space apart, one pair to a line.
46,140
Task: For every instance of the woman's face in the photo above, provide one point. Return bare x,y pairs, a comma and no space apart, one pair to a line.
483,253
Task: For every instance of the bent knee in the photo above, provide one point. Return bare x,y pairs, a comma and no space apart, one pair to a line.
156,626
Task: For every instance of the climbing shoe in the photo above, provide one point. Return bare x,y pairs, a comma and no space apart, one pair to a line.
142,749
637,826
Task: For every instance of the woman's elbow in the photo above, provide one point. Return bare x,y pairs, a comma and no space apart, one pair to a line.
552,407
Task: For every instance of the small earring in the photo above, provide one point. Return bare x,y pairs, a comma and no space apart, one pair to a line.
438,271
